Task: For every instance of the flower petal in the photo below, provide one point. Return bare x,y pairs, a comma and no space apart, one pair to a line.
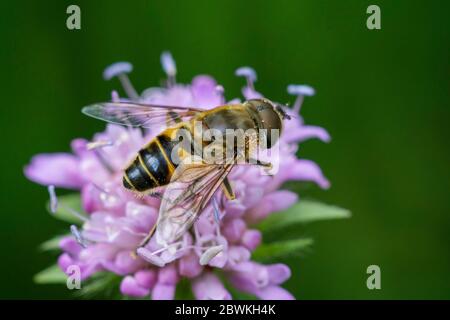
205,93
278,273
168,275
163,292
189,266
251,239
307,132
130,287
59,169
146,278
274,293
209,287
272,202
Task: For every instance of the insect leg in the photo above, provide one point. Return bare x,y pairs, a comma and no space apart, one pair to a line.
146,239
228,190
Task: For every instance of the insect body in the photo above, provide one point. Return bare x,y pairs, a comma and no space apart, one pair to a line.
189,185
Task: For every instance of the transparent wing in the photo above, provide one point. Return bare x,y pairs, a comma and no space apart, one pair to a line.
139,115
188,193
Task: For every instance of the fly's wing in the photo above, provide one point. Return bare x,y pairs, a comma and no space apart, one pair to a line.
191,187
139,115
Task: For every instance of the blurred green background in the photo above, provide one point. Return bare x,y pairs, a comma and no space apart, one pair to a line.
383,95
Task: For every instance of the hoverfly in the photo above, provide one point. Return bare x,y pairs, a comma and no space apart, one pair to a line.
189,186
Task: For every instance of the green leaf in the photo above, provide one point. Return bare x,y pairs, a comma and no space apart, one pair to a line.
52,274
279,249
303,211
51,244
101,285
184,291
67,205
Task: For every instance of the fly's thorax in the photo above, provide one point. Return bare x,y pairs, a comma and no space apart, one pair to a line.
231,117
268,119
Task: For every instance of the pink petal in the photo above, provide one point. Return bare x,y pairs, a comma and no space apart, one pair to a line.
59,169
272,202
125,262
189,266
168,275
307,170
278,273
209,287
205,93
146,278
251,239
274,293
163,292
90,197
70,245
233,229
130,287
307,132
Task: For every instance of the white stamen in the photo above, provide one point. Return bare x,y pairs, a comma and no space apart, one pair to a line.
150,257
120,70
81,241
99,144
53,199
168,64
209,254
300,90
249,74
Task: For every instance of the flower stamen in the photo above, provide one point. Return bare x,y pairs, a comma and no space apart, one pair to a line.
249,74
300,91
120,70
209,254
169,67
77,235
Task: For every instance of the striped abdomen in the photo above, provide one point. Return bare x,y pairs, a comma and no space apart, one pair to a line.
152,166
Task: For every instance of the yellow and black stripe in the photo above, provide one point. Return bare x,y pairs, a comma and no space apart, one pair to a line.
152,167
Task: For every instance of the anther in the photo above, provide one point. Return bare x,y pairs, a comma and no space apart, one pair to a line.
169,67
248,73
148,256
300,91
209,254
120,70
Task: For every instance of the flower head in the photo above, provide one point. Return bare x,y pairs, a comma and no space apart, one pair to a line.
117,221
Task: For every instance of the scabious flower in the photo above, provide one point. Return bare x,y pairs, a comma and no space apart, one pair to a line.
116,221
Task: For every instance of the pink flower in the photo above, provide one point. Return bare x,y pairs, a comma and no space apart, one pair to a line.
118,221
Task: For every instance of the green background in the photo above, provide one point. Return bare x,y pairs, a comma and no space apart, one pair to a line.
383,95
